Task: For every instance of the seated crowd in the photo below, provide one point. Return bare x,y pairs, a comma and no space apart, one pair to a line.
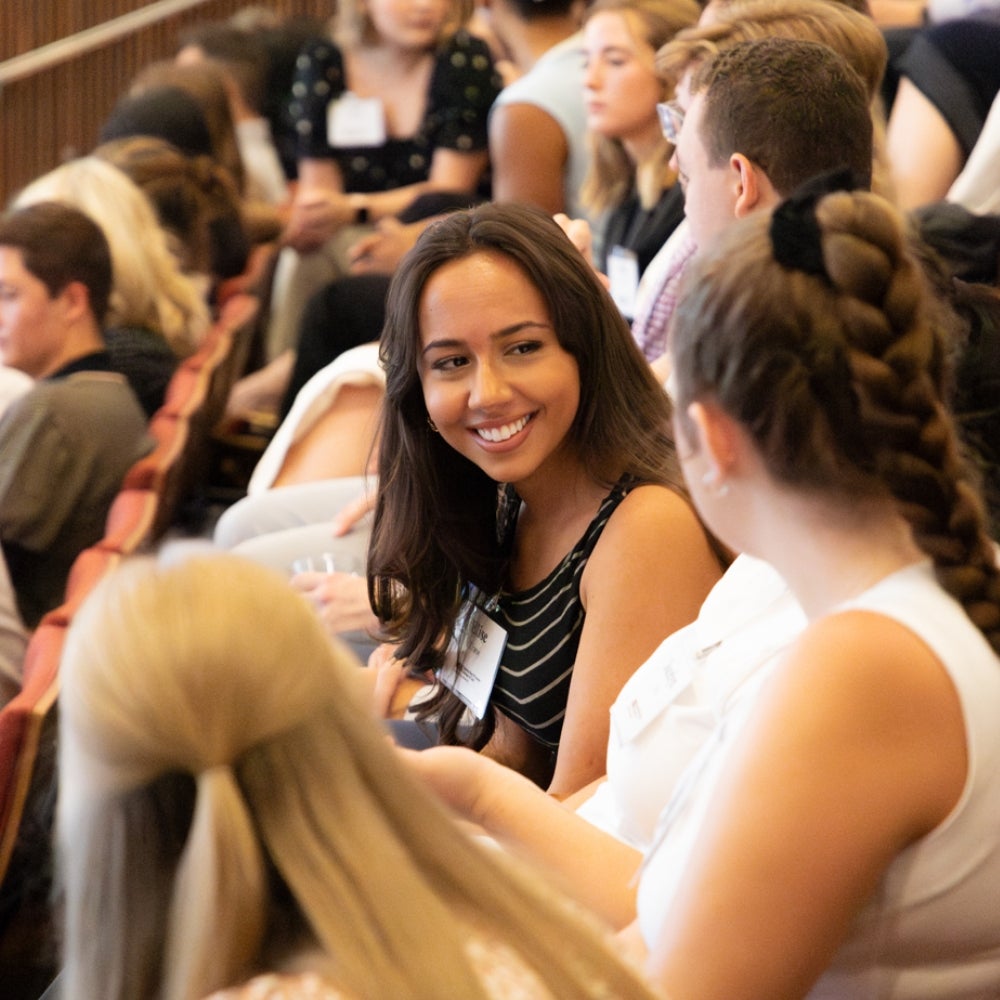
628,382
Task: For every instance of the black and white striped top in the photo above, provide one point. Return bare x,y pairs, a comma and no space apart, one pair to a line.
543,627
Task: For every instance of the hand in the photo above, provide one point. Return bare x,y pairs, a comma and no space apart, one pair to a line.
347,518
261,391
315,217
380,252
389,675
340,599
578,231
456,775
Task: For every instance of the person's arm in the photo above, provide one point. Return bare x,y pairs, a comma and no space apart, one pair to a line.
590,865
898,13
340,599
451,170
916,123
346,519
854,751
579,233
647,576
381,251
34,454
462,90
976,186
528,153
319,207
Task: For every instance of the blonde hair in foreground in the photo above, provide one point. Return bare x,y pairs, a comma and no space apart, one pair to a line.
221,777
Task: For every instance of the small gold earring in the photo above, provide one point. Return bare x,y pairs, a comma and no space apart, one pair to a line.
432,426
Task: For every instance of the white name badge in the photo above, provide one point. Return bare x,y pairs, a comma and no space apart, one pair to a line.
623,274
657,685
484,642
355,121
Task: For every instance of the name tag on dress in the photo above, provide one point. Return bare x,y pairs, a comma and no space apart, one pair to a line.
623,274
483,642
656,686
355,121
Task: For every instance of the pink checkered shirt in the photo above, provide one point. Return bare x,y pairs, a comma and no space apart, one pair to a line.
650,327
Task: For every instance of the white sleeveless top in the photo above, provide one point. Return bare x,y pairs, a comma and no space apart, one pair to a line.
671,705
932,931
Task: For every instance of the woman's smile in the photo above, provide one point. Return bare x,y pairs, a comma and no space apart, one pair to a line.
504,432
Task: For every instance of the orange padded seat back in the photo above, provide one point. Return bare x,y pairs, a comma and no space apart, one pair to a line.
20,728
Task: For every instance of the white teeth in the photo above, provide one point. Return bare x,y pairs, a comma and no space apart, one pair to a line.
502,433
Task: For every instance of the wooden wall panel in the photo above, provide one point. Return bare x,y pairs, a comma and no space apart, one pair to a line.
56,113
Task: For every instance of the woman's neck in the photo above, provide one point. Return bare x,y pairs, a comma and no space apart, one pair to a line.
557,508
390,61
562,483
830,554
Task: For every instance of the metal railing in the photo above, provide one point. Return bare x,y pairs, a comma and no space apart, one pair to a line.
54,53
55,97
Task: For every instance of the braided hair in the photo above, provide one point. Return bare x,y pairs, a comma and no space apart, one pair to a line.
813,330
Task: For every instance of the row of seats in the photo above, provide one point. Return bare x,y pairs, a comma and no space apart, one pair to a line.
147,506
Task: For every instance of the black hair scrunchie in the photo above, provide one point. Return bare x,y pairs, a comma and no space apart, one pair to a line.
796,239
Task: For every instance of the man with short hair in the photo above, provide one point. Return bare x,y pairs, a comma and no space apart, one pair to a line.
757,120
763,117
66,444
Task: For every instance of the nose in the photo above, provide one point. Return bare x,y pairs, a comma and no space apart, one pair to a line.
489,388
591,75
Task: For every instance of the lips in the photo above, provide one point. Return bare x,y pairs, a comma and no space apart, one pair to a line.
505,432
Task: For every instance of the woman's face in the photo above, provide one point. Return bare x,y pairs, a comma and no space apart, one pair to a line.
620,85
408,24
498,385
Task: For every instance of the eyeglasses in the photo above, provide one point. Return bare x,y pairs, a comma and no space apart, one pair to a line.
671,119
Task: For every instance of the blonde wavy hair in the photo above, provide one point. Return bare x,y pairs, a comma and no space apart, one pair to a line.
852,35
612,175
150,289
229,806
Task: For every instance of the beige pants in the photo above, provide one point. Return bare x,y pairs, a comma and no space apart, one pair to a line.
297,277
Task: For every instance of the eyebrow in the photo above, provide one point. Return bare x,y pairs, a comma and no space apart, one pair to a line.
606,50
507,331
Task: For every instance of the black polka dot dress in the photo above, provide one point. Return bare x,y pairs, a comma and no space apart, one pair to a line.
463,86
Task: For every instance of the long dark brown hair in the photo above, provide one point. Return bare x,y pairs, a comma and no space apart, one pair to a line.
435,532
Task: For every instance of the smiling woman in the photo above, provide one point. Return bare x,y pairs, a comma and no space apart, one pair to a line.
529,495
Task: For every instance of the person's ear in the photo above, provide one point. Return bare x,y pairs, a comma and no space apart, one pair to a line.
76,300
716,438
753,186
